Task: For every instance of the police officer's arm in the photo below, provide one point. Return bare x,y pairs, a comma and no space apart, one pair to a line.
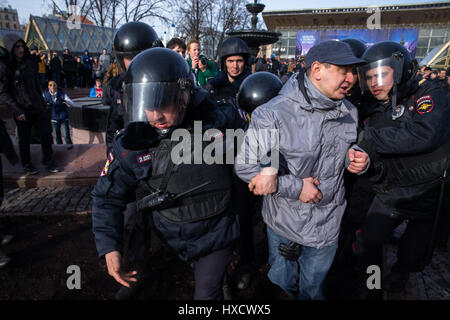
427,130
114,189
257,142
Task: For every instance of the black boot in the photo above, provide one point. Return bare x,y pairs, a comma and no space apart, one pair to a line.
244,276
397,279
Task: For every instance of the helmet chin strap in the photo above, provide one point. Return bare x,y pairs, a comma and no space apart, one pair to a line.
394,96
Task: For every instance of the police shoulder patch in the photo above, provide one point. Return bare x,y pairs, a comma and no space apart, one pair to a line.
108,164
424,104
143,158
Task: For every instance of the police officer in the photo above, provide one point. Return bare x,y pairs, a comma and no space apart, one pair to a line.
254,91
129,40
407,137
234,56
189,201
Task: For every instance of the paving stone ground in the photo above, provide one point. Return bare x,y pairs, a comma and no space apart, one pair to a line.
431,284
47,201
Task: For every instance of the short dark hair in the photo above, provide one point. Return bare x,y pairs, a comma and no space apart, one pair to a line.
176,42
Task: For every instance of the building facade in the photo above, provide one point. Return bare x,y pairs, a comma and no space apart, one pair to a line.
9,19
420,27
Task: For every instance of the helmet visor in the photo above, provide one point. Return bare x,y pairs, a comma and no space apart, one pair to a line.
380,73
144,99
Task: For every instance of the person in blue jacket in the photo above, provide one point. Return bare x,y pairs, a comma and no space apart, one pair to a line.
58,101
97,90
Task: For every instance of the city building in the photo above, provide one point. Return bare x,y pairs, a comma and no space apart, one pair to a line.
420,27
53,33
9,19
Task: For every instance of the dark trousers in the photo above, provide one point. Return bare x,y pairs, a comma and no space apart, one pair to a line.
56,76
378,228
64,126
1,182
209,272
42,125
247,208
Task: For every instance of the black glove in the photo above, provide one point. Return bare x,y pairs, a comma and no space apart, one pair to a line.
292,251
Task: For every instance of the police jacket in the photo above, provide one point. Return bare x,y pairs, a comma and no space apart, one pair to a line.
196,225
409,147
222,88
112,96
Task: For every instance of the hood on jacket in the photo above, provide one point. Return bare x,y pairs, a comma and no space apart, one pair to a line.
317,100
10,40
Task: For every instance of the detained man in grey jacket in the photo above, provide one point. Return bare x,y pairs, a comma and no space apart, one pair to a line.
295,153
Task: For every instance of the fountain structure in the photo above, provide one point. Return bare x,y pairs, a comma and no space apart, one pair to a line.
255,37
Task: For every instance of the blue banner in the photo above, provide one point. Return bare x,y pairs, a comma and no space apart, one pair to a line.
406,36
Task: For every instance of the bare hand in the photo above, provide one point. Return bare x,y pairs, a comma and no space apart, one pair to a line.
263,184
21,117
358,161
195,62
113,263
310,194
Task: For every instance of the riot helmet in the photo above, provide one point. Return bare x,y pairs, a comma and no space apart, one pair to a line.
257,89
358,47
158,82
389,64
233,47
132,38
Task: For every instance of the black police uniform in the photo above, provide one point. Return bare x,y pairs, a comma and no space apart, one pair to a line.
409,148
131,39
113,96
199,226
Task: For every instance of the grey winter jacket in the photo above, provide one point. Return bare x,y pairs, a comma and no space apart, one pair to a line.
313,140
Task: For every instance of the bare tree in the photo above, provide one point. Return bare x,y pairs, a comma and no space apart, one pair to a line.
65,7
100,12
190,16
227,15
137,10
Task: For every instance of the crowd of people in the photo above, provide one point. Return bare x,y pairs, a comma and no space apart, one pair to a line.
70,71
362,145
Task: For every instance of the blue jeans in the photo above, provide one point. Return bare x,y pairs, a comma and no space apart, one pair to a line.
64,125
302,279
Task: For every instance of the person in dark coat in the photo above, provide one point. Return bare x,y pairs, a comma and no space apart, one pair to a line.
27,104
69,69
55,68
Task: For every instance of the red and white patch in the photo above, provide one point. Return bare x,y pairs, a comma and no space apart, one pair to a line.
144,158
424,104
107,165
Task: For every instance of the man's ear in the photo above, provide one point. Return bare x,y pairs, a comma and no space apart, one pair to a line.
316,69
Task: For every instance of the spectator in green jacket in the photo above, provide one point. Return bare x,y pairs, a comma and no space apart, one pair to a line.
202,68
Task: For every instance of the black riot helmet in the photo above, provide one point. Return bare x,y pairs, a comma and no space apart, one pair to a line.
257,89
386,53
358,47
132,38
157,80
233,47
